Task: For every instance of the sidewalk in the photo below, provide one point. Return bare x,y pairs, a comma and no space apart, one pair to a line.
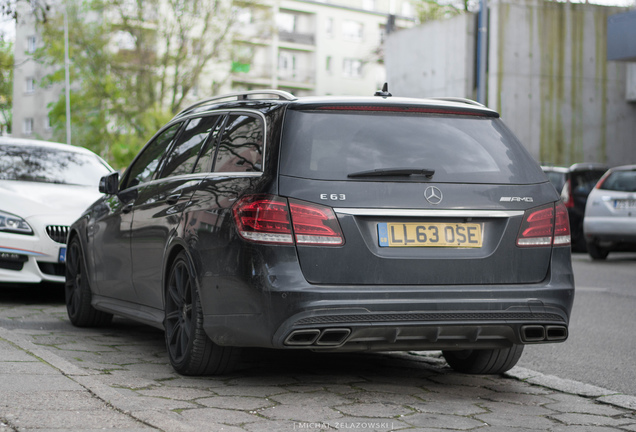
118,378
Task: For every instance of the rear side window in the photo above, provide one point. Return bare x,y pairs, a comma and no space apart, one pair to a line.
623,181
241,145
146,164
584,181
461,149
185,152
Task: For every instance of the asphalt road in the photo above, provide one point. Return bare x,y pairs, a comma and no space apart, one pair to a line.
601,349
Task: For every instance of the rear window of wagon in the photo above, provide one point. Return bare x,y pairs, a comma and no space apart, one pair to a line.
324,145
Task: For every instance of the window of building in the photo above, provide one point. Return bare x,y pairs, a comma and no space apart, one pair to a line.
352,68
329,27
286,64
368,5
30,84
352,30
27,126
47,123
328,65
31,44
286,22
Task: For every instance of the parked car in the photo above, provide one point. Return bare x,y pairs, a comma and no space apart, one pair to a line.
329,224
574,183
44,187
610,214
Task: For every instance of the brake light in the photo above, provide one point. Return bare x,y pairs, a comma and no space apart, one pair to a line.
263,218
270,219
566,194
562,235
599,184
315,224
545,226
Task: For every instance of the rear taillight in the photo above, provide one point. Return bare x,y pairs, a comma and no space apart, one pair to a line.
566,194
561,226
545,226
599,183
263,218
270,219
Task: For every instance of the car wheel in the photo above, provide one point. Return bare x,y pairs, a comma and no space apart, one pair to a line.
77,291
597,252
190,350
485,361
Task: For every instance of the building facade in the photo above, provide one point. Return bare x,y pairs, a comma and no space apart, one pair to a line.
308,48
548,76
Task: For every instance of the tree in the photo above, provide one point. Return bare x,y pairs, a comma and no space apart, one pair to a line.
135,63
40,8
6,85
430,10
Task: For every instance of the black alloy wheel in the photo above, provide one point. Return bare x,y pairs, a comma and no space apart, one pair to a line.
190,350
77,291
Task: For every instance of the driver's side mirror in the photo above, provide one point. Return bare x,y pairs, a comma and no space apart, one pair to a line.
109,184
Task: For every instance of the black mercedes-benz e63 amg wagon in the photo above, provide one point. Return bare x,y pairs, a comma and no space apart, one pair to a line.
330,224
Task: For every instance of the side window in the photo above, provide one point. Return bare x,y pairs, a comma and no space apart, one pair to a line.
204,164
146,164
241,145
185,152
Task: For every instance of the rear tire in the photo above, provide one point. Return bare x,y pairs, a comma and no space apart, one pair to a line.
596,252
190,350
485,361
77,291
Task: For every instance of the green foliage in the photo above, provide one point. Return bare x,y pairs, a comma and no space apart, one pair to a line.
6,85
131,69
431,10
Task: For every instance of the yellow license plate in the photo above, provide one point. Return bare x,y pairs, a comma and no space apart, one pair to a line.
460,235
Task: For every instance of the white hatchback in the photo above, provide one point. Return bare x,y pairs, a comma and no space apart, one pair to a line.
610,214
44,187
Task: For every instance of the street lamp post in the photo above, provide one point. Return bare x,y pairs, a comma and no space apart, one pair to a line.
67,79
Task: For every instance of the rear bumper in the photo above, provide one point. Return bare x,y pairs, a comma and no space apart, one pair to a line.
287,312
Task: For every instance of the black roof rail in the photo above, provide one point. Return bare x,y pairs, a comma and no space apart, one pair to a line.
246,95
460,100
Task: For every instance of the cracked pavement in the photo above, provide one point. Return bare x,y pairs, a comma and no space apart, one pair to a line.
56,377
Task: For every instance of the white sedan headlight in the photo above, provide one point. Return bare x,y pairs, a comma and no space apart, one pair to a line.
14,224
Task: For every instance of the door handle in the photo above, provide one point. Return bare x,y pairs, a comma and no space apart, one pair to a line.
173,199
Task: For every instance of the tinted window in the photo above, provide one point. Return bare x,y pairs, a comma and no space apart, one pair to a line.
557,179
144,167
624,181
47,165
584,181
184,154
204,164
241,146
462,149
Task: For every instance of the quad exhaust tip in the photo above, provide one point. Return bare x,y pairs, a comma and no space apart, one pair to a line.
317,337
540,333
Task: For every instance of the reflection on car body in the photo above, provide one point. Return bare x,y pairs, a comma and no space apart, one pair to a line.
259,220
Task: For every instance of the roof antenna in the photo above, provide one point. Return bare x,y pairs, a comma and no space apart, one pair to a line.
384,92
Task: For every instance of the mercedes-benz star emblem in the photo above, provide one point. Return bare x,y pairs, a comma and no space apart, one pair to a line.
433,195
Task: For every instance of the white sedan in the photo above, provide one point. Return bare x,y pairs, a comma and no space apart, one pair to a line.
44,187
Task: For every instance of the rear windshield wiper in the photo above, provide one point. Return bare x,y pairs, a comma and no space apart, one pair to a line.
388,172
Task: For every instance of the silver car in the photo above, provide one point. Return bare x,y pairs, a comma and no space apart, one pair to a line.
610,213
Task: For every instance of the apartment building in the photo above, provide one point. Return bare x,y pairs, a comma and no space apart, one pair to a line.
309,47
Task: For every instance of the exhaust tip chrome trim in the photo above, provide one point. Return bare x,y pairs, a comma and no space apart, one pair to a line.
302,337
333,337
533,333
554,333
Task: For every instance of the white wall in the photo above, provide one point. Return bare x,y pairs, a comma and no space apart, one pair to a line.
434,59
